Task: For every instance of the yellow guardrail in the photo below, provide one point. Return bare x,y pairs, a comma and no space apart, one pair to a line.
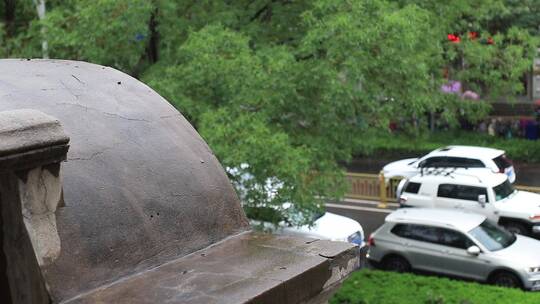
528,188
376,187
373,187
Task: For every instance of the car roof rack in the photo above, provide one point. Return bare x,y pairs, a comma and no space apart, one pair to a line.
446,171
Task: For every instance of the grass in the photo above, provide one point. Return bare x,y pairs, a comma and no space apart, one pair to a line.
399,144
380,287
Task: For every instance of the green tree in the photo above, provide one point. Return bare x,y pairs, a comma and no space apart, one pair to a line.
496,46
290,87
264,108
109,32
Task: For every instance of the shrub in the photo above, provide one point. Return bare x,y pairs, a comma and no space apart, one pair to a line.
399,144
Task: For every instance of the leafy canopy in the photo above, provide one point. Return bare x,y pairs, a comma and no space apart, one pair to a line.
284,90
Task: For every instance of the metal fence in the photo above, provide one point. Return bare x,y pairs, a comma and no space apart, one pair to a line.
375,187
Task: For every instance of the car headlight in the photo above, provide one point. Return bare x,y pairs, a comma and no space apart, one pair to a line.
533,269
356,238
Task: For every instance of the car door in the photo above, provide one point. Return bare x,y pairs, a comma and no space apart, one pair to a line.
455,260
417,245
465,197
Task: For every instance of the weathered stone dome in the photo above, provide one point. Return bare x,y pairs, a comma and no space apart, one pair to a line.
140,185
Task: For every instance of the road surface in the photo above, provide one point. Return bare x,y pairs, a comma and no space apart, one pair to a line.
367,213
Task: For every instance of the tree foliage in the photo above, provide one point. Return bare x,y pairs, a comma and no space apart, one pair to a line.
284,90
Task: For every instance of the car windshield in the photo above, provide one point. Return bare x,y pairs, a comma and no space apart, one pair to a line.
492,237
503,190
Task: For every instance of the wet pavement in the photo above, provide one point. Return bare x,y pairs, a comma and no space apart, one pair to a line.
527,174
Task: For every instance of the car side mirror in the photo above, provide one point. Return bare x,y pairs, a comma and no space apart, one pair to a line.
473,250
482,200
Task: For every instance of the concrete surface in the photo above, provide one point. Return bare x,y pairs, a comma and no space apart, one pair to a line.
248,268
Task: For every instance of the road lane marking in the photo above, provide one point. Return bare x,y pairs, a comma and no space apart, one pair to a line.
340,206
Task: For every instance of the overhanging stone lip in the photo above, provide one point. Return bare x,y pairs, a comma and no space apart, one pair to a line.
25,130
33,158
246,268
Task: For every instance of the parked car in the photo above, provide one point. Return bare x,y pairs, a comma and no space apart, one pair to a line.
479,191
454,157
326,226
455,243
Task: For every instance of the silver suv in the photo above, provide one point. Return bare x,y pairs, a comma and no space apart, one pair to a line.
455,243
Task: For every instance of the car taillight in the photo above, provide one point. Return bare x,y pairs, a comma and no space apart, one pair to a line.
534,217
371,241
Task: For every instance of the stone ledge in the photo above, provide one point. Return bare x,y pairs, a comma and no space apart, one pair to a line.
25,130
247,268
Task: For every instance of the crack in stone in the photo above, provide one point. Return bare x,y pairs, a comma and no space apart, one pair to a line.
104,113
73,104
69,90
87,158
77,79
126,118
169,116
192,195
93,154
327,256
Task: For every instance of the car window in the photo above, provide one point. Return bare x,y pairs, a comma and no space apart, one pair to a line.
502,162
446,190
469,163
469,193
452,238
437,161
503,190
434,235
460,162
412,187
416,232
456,162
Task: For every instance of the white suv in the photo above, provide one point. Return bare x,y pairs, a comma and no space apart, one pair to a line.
454,157
490,194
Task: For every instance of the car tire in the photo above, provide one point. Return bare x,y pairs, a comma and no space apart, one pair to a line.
516,228
505,279
395,263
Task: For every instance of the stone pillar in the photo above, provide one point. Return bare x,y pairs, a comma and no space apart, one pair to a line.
32,146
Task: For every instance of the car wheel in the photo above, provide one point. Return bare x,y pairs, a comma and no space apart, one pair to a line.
396,263
505,279
516,228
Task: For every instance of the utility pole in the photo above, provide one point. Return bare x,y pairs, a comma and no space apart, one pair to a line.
41,9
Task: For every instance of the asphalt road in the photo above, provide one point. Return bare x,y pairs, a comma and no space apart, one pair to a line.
366,213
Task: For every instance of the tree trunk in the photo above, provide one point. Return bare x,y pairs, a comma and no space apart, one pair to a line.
41,9
9,16
152,49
